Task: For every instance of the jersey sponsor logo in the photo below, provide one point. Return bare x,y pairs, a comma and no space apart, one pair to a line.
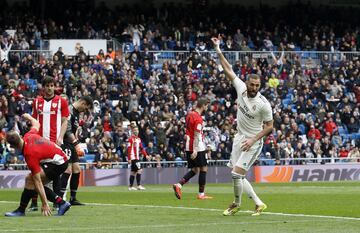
245,112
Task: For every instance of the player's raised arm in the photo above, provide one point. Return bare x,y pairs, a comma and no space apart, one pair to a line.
33,121
229,72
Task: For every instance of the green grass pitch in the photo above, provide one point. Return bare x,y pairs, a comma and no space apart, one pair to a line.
292,207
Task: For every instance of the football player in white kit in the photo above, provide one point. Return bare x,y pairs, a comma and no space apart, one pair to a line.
254,121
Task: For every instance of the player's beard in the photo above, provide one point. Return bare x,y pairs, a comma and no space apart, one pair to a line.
252,94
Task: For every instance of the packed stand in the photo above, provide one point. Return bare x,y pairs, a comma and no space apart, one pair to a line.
184,26
316,108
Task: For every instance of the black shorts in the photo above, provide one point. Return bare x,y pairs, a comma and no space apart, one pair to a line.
70,151
53,171
199,161
135,165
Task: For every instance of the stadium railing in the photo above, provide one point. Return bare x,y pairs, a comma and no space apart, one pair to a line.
307,58
181,163
37,55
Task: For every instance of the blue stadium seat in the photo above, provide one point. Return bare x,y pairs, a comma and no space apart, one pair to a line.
89,158
286,102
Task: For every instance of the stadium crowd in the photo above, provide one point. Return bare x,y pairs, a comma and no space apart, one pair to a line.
186,25
316,108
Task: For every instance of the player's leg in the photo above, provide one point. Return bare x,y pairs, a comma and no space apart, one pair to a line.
34,205
138,180
64,180
74,183
26,195
135,167
237,176
246,162
190,174
201,161
49,173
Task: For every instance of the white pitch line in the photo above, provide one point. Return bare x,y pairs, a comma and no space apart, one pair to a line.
216,210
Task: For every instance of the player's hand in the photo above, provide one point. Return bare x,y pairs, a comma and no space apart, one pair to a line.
26,116
247,144
148,158
59,141
193,155
45,210
79,151
216,43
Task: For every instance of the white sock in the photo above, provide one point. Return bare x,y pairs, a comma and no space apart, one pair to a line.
250,191
238,187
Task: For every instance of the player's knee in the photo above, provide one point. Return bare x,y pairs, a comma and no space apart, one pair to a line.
76,168
195,170
204,169
29,183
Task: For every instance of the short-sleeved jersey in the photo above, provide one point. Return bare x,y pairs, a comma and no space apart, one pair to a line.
134,148
252,112
194,123
73,123
39,150
49,114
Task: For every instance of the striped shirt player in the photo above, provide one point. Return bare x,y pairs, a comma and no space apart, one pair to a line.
134,149
195,150
39,151
254,122
49,114
194,124
46,161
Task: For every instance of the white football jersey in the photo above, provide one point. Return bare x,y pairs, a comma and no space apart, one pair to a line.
252,112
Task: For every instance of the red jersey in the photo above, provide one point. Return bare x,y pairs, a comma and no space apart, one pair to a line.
38,149
134,148
194,123
49,114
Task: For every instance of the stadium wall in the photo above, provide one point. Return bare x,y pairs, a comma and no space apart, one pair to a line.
114,177
170,175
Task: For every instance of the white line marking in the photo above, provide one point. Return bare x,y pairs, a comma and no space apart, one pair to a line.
215,210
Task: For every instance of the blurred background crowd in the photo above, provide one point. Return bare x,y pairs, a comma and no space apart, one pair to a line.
315,103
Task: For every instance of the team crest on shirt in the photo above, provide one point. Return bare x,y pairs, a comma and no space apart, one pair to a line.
254,108
54,105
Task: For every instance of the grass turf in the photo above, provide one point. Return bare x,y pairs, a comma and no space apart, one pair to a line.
115,209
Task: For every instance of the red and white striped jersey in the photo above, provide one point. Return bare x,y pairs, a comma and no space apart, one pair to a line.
134,148
194,123
49,114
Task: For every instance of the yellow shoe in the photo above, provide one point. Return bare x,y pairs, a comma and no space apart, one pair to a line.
233,209
259,209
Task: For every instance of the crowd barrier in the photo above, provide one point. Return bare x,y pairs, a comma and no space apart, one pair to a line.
216,174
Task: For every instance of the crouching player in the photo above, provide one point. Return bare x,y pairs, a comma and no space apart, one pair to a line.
46,161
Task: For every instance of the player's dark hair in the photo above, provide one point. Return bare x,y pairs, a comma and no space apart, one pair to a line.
88,100
13,138
253,76
47,80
